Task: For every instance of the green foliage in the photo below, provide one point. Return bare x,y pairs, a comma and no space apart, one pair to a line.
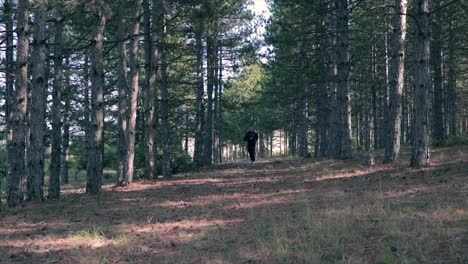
77,159
457,141
110,152
181,162
243,105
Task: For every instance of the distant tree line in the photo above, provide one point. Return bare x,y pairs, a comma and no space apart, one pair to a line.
365,75
122,85
149,88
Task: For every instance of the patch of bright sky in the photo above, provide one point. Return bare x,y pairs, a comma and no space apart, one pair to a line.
262,14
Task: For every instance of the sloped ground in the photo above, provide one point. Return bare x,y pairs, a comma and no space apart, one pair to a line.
276,211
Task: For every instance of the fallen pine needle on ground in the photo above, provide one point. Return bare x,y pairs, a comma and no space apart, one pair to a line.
274,211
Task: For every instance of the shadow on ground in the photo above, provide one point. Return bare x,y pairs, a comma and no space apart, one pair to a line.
294,211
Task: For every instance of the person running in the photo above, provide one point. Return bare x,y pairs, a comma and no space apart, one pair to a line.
251,137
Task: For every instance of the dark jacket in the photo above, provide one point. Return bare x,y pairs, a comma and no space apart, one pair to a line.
251,137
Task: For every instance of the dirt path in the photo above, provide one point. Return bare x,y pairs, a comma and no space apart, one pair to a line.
310,211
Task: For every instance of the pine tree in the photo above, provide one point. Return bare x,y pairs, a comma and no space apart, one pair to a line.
17,113
420,150
392,148
36,148
96,146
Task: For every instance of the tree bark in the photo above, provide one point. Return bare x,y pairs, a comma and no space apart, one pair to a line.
166,165
35,153
322,139
199,105
9,52
420,150
386,118
302,137
368,133
56,148
151,69
87,110
216,105
292,139
334,137
96,146
452,84
66,97
133,103
208,141
122,104
17,115
219,119
438,123
397,79
303,109
403,130
9,67
343,94
261,144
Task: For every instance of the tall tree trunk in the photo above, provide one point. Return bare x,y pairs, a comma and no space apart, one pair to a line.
386,118
343,94
334,136
17,116
369,108
322,139
292,139
66,97
219,119
208,141
35,153
302,137
133,103
123,104
392,148
452,84
186,132
403,130
438,123
409,111
66,143
9,52
215,106
303,109
368,126
199,105
87,110
261,145
151,68
166,165
420,151
56,145
9,67
96,144
375,112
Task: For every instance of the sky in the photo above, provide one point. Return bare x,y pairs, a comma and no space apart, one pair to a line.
261,8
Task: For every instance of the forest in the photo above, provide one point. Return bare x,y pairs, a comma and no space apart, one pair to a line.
122,131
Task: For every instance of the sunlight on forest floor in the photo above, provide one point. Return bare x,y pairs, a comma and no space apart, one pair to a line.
275,211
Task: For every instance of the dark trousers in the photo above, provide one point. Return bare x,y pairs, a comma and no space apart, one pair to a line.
251,153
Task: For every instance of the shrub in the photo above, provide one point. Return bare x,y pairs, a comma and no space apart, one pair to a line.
180,162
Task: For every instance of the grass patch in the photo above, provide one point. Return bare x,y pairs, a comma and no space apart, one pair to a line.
293,211
93,233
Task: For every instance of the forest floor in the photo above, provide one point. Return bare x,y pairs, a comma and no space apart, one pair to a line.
274,211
